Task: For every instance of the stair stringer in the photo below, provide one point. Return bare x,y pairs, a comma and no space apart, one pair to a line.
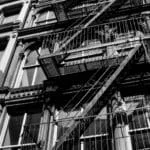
95,105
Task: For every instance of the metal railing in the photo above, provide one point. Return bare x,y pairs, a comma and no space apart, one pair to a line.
106,130
103,35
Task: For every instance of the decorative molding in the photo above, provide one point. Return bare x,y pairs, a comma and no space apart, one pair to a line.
25,95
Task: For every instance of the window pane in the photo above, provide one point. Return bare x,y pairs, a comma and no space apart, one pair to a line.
32,128
31,58
138,120
45,51
71,145
63,123
100,143
13,130
137,112
51,15
27,77
11,13
15,148
8,19
46,16
141,140
42,16
99,126
40,77
33,118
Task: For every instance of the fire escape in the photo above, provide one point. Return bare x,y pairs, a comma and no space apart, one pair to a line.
106,83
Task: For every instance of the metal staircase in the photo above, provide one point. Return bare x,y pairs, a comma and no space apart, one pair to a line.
99,13
111,77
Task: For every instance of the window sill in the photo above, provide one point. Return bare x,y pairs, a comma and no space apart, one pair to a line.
18,146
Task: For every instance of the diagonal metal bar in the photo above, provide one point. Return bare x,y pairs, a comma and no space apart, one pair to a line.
114,4
95,104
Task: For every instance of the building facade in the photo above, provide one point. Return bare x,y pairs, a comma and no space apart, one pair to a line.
74,75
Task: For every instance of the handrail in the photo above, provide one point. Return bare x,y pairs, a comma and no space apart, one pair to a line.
113,32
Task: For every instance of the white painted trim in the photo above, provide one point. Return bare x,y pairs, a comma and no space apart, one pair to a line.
2,117
47,16
55,129
51,129
17,146
23,12
40,128
5,35
93,136
22,128
35,75
36,69
82,145
8,51
138,129
4,129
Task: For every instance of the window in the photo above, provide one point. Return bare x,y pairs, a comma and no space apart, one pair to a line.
139,121
46,16
138,113
10,14
132,128
19,129
95,136
30,72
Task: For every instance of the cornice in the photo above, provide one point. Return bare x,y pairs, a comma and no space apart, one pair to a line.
24,95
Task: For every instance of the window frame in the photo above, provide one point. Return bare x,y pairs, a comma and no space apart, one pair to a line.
23,68
140,130
4,130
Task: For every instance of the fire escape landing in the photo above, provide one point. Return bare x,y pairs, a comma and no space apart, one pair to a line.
69,54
